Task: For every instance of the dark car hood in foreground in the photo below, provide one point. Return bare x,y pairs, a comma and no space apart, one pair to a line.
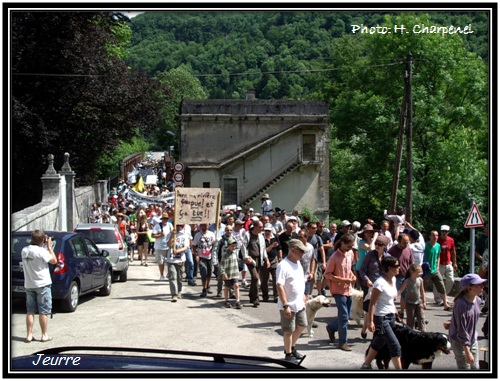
74,359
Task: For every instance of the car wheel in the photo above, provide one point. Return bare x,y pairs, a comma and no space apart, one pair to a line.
123,276
106,288
70,303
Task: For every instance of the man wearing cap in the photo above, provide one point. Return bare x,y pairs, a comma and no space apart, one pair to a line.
222,244
250,219
267,205
290,284
466,311
161,233
230,272
239,215
296,227
447,260
345,228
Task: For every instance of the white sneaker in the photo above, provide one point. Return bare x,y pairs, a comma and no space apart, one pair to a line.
162,278
244,283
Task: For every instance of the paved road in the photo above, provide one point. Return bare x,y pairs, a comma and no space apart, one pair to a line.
139,313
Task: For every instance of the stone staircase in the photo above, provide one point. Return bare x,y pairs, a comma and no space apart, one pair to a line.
269,183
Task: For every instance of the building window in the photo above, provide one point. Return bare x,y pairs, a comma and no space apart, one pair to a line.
309,147
230,192
206,185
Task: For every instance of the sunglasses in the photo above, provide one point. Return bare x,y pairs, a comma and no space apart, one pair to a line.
395,266
379,244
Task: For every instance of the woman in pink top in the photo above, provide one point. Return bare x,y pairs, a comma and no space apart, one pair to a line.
340,276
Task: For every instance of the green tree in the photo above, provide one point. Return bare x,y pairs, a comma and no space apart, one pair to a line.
71,93
182,86
450,128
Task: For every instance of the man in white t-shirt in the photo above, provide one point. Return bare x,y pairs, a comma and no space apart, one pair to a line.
37,282
176,257
161,234
290,283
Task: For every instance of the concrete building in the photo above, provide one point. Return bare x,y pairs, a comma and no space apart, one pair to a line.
251,147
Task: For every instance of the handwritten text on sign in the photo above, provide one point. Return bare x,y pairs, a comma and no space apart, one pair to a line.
196,205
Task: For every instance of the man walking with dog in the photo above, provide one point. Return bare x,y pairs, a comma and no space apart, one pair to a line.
290,283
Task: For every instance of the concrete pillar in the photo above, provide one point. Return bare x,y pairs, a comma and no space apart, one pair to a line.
51,184
69,176
102,189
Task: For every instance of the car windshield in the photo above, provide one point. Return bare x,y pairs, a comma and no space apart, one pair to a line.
18,243
99,236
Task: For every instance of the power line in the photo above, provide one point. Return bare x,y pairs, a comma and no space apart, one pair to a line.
220,74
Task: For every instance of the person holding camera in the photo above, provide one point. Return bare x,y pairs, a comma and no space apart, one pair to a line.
37,282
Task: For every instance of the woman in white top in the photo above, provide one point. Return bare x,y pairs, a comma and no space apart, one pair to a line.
382,314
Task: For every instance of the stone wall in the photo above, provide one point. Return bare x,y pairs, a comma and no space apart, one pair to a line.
63,206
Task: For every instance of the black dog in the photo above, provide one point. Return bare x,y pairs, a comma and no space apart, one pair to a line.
416,347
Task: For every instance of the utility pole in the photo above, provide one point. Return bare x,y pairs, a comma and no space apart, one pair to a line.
409,139
399,154
405,123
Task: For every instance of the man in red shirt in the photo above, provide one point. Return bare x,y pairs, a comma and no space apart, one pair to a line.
447,262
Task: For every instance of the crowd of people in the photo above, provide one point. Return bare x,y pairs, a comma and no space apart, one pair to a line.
247,249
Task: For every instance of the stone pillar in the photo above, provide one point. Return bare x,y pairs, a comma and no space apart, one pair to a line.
50,179
102,188
51,183
69,175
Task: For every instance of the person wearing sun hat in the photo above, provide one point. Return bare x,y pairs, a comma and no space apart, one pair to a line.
462,326
267,204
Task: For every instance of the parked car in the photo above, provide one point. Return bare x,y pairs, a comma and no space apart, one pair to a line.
108,237
82,267
137,359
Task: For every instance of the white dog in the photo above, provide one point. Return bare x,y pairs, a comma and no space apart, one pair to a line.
312,308
357,312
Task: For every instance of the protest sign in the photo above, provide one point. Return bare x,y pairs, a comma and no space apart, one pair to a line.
196,205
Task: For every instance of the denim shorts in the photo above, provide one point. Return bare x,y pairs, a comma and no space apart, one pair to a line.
39,300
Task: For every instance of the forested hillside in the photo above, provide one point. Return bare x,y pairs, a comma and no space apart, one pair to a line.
315,55
275,53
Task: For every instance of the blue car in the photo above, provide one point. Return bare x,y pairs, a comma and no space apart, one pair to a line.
81,268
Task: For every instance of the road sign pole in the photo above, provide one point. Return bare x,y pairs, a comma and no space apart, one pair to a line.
472,242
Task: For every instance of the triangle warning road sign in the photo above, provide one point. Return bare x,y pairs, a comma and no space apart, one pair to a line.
474,220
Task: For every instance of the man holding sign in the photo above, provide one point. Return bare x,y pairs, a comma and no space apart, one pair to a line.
199,206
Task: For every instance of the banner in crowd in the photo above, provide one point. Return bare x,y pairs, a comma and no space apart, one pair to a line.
151,179
140,198
197,205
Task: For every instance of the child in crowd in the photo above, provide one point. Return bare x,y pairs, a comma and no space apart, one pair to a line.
131,242
415,297
466,311
230,272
